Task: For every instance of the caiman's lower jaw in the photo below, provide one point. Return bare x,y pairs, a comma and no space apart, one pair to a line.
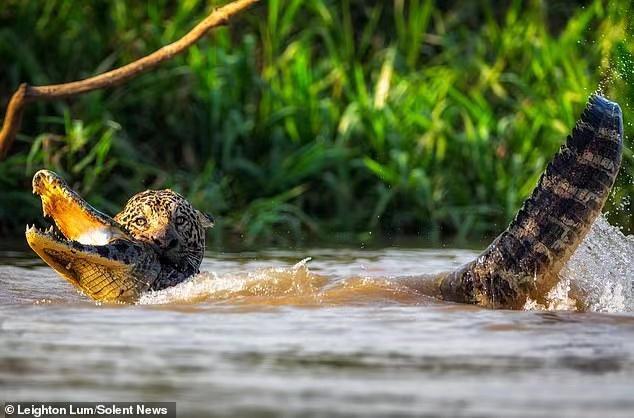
93,269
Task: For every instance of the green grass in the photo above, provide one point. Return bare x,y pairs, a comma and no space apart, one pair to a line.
312,119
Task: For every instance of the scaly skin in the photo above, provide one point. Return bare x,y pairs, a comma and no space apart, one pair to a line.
102,259
524,260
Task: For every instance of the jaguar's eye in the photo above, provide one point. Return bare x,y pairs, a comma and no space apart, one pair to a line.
140,222
180,220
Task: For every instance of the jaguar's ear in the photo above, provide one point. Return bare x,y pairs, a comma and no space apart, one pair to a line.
205,219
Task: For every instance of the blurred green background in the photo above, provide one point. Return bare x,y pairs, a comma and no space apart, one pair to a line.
344,120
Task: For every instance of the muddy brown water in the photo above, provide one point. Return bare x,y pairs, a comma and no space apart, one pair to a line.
265,334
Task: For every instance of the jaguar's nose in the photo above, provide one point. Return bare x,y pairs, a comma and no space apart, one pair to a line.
170,245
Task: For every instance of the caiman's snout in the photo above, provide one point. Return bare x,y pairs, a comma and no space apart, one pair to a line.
45,180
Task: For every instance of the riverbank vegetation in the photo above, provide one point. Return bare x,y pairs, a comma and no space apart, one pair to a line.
343,120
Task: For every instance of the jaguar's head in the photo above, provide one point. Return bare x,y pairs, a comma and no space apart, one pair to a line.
164,218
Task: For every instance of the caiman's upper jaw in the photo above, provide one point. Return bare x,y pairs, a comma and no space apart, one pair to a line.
72,215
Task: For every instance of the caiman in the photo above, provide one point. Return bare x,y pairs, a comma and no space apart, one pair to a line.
142,249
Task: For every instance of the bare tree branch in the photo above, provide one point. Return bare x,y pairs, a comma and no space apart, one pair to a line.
27,94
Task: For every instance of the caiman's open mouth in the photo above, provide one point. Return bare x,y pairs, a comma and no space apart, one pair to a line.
88,248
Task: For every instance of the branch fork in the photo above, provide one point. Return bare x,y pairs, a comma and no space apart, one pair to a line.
26,94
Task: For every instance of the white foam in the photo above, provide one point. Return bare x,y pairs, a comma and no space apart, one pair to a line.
599,275
601,271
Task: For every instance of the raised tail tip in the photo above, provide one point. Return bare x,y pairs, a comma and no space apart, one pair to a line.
603,113
599,130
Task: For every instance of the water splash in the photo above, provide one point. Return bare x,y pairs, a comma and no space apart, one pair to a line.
601,271
290,285
599,276
296,281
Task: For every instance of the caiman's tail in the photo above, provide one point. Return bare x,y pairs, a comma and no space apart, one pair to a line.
525,259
